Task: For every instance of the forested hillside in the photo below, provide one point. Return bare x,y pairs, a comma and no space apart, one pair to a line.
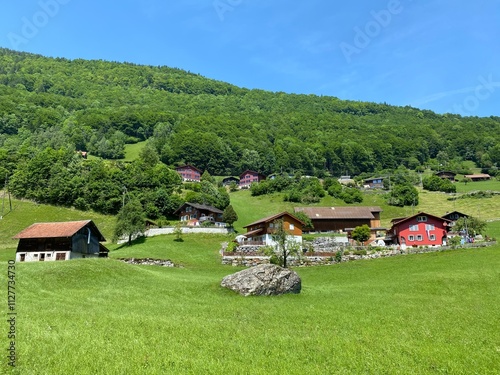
51,107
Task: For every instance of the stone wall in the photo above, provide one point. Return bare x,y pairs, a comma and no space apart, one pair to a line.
188,230
324,258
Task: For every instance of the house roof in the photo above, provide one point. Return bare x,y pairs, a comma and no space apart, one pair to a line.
252,172
328,213
373,179
200,207
57,230
188,166
230,178
454,212
252,233
419,214
478,175
272,218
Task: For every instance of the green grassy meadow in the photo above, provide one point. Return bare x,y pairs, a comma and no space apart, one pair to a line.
478,185
419,314
133,150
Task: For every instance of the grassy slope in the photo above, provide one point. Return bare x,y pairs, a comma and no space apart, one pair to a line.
432,313
132,151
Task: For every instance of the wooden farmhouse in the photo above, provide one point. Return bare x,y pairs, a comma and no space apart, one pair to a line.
446,175
421,229
261,231
343,219
189,173
248,177
195,214
60,241
374,183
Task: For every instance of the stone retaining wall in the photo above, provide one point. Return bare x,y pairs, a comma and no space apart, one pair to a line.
187,230
322,258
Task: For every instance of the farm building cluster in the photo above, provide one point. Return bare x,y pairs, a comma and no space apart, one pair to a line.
82,239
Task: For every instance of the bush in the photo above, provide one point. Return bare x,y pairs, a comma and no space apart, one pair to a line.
359,252
231,247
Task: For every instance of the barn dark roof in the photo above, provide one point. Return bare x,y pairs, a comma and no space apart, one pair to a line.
57,230
272,218
200,207
363,212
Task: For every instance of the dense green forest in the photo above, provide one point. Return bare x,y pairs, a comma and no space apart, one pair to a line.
51,107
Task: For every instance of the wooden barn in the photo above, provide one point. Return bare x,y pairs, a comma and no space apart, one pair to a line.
60,241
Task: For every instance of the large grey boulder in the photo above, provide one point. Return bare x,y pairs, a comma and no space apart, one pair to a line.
263,280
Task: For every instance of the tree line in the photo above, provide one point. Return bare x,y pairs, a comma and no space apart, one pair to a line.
98,106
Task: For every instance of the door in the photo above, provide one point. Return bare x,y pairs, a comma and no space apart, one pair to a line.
60,256
42,257
22,257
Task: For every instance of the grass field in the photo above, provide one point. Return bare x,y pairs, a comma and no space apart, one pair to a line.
478,185
132,151
419,314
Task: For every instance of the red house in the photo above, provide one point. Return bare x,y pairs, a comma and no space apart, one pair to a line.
248,177
421,229
189,173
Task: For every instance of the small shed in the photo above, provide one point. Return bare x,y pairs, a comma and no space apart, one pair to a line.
60,241
478,177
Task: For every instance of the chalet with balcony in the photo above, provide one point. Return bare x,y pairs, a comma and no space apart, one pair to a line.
195,214
248,177
60,241
261,232
374,183
189,173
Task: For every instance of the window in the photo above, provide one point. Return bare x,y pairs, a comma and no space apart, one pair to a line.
189,209
429,227
60,256
414,228
419,237
271,225
432,237
411,238
292,227
421,218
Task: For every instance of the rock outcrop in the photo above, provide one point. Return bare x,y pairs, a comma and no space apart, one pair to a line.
263,280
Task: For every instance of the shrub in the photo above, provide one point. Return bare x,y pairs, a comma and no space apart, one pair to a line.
231,247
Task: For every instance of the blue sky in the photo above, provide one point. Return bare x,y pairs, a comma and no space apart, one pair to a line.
440,55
